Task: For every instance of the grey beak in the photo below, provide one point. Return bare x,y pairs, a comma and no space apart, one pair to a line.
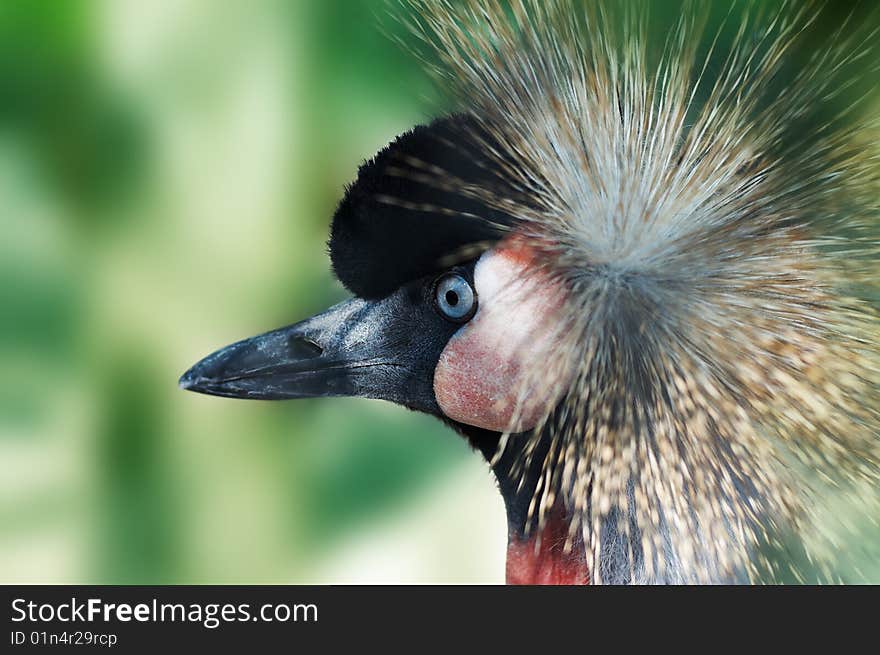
336,353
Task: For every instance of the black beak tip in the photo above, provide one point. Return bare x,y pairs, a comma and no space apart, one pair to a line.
189,381
194,380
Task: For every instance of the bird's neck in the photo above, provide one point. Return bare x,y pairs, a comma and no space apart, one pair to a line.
537,553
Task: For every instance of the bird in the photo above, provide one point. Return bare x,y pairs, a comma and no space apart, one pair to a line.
639,276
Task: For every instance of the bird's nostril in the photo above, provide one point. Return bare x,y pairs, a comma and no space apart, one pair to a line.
304,348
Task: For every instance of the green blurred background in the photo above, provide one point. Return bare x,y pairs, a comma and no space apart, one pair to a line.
168,170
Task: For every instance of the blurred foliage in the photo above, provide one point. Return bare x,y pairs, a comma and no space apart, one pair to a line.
168,170
88,138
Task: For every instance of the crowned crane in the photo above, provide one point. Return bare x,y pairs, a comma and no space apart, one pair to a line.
627,274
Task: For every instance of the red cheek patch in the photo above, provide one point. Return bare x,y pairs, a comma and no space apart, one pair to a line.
503,370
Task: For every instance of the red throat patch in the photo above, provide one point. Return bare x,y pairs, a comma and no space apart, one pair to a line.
541,559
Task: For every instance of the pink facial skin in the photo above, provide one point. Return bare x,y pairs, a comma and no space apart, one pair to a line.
499,362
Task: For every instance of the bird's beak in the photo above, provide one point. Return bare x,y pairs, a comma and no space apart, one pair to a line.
340,352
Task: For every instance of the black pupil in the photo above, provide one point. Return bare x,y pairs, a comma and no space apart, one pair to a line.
452,298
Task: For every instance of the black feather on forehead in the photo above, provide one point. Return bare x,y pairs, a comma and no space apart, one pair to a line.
415,205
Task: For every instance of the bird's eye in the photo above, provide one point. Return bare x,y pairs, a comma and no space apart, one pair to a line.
455,298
